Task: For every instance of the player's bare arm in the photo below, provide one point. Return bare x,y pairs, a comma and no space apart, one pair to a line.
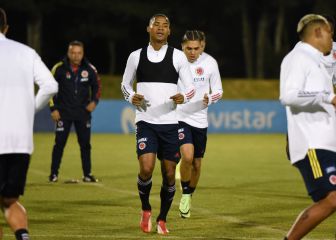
178,98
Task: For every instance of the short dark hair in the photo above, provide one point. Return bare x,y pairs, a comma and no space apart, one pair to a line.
193,35
152,19
3,20
76,43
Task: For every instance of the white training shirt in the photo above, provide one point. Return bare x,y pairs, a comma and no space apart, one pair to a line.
306,90
330,63
162,110
207,80
20,68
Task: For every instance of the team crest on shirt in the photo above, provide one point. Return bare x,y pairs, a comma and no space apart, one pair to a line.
85,74
334,54
199,71
59,124
332,179
68,75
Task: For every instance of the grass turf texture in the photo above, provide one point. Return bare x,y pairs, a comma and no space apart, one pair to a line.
247,190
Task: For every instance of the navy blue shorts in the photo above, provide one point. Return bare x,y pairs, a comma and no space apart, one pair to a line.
318,170
161,139
195,136
13,174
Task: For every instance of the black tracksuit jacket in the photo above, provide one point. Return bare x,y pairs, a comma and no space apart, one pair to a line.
76,91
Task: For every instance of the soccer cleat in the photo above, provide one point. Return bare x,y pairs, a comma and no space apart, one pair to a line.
145,221
185,205
161,227
53,178
90,178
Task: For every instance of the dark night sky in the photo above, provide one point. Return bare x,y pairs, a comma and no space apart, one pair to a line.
94,22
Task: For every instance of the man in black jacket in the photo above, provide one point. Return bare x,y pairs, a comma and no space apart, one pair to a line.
78,96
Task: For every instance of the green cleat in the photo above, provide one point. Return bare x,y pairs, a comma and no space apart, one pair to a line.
185,205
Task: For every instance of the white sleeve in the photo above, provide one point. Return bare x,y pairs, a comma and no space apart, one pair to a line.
129,76
185,76
292,80
215,84
48,86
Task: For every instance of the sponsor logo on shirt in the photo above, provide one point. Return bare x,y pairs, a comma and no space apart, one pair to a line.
181,130
68,75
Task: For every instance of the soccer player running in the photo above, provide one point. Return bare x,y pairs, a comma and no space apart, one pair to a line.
20,69
307,92
192,116
157,68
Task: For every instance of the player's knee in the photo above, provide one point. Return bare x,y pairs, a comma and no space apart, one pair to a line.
146,172
187,159
170,174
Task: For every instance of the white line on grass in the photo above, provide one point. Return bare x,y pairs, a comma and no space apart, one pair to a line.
228,219
147,236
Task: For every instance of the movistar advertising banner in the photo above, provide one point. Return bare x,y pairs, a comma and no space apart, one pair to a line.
117,116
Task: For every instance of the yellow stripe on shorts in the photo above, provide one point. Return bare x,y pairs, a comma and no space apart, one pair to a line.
314,163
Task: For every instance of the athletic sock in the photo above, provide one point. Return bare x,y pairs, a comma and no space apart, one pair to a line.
191,190
144,187
185,187
21,234
167,195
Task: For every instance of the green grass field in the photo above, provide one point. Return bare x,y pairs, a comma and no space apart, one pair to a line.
247,190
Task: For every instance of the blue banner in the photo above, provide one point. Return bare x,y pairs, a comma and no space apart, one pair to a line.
117,116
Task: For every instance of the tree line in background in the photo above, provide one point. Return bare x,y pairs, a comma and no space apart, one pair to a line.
247,37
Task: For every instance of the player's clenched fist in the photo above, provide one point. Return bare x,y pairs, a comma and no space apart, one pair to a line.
178,98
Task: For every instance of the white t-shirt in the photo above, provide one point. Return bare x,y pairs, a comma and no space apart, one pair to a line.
20,68
162,110
207,80
306,90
